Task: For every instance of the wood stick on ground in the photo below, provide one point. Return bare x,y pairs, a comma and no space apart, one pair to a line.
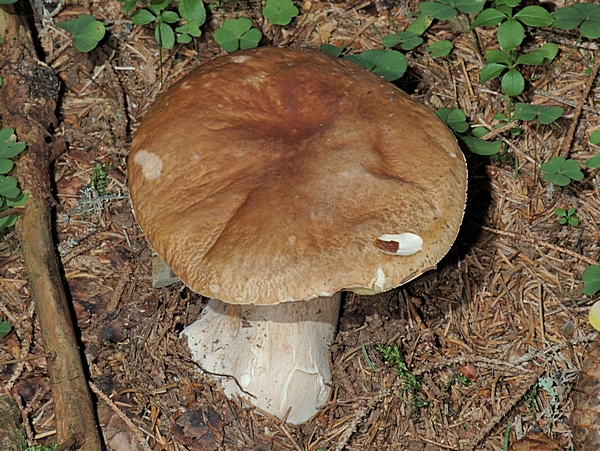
27,103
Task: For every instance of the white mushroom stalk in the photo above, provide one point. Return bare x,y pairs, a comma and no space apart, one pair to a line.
276,356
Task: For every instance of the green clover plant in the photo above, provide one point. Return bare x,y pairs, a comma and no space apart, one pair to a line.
448,9
390,64
405,39
280,12
468,136
10,194
237,34
544,114
439,49
560,171
567,216
190,16
86,30
586,16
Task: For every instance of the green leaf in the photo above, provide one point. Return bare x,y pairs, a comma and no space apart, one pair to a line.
491,70
8,221
164,35
142,17
568,18
409,40
237,26
280,12
17,201
420,24
454,118
481,147
192,11
391,66
250,39
548,114
560,212
560,171
595,138
535,16
169,16
469,6
4,326
156,6
86,31
6,166
591,28
489,17
9,147
499,56
549,50
534,58
332,49
226,40
510,34
437,10
391,40
593,162
513,83
591,280
525,111
439,49
129,5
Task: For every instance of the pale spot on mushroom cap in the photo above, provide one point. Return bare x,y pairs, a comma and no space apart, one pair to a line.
245,380
408,243
239,59
292,240
214,288
379,282
151,164
452,154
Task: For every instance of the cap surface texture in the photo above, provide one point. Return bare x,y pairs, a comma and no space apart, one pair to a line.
269,175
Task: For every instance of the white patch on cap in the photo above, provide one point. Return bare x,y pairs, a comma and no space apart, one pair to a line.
379,282
150,162
214,288
292,240
452,154
240,58
407,243
245,380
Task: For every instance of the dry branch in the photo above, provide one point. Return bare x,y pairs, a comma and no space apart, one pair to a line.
27,102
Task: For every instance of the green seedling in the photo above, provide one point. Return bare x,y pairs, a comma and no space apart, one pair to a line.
392,355
237,34
594,162
439,49
366,356
560,171
10,194
405,39
448,9
280,12
531,398
511,31
457,378
190,14
567,216
505,62
586,16
5,327
591,280
544,114
467,135
390,64
86,30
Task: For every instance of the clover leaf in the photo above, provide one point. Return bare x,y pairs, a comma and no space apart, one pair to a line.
237,34
86,31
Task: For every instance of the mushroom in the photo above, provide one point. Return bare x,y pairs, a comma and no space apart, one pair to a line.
272,179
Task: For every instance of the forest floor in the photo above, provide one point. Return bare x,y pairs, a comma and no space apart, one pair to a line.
506,301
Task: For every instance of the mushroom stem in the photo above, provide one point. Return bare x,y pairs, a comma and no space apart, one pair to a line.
279,354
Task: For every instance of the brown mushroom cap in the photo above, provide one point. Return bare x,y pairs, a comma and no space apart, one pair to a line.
269,175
